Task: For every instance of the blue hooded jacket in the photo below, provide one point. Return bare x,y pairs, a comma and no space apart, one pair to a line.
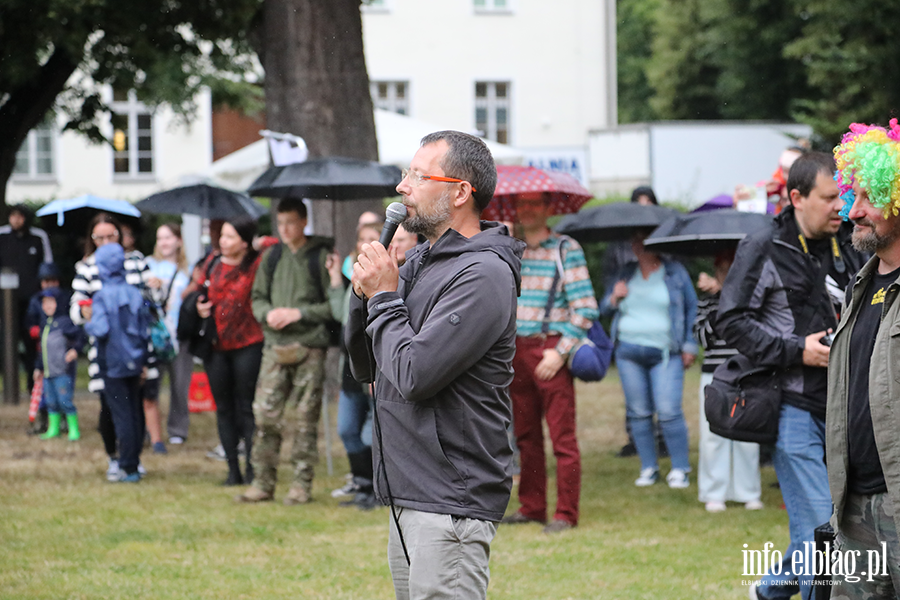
120,320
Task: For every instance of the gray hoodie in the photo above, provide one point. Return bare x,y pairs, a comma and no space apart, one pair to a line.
443,344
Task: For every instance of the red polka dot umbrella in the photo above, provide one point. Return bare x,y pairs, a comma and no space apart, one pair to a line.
567,195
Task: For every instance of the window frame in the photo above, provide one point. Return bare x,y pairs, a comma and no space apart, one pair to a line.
490,7
392,95
33,155
491,104
132,109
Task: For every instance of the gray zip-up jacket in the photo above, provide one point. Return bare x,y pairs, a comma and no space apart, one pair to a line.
884,391
764,298
443,345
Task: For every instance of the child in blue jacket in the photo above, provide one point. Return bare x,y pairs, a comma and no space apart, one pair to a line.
120,321
60,342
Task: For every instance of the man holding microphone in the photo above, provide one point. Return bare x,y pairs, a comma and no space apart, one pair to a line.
437,337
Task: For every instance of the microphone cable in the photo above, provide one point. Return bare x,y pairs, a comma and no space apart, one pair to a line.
373,368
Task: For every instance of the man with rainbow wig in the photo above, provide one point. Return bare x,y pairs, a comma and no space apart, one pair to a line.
862,419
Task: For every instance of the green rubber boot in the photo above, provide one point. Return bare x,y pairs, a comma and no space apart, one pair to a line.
74,433
52,426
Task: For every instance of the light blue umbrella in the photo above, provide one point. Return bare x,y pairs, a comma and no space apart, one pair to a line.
61,207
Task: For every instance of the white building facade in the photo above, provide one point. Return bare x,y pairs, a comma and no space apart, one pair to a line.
152,149
533,74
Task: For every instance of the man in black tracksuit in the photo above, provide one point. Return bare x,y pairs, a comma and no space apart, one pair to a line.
442,332
23,248
777,304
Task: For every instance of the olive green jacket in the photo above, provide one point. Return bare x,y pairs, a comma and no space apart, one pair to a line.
884,394
292,287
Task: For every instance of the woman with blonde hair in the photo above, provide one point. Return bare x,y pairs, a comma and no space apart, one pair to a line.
169,268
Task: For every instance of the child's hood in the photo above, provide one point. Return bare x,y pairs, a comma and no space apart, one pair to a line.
54,292
111,269
110,260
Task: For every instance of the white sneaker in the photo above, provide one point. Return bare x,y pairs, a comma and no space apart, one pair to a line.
754,505
349,489
715,507
217,453
175,440
677,479
141,470
112,471
647,477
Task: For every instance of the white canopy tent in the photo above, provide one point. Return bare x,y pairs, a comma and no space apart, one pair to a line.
398,140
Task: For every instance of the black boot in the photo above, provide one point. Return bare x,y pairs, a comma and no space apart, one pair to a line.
40,423
234,473
363,475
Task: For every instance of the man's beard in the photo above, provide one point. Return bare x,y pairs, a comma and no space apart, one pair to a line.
873,242
429,224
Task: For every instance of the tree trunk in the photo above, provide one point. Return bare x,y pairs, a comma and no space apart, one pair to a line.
25,108
317,87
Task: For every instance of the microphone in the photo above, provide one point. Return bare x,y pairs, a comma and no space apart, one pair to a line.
393,216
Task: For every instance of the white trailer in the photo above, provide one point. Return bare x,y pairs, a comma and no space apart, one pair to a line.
687,162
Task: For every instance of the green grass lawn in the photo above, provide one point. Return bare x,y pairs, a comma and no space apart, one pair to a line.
67,533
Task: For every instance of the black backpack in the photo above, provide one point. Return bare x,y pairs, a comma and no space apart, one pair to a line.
315,270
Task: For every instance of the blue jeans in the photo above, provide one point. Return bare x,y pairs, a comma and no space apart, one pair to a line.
58,392
354,421
654,385
799,461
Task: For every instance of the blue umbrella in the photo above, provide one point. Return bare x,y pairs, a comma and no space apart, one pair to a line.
91,203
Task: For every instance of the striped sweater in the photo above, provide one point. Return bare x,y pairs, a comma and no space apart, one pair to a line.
85,285
716,351
574,307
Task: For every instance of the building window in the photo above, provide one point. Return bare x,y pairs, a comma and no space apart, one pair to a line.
132,136
34,159
492,5
391,95
492,110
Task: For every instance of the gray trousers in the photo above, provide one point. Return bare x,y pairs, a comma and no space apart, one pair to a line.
867,522
448,556
180,370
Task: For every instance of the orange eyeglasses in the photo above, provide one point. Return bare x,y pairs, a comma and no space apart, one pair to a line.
415,179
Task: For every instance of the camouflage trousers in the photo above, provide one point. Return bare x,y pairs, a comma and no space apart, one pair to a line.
867,541
285,392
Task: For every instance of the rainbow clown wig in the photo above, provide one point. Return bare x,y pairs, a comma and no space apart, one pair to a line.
869,156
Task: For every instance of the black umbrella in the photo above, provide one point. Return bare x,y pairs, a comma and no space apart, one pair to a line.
705,233
334,178
615,221
204,200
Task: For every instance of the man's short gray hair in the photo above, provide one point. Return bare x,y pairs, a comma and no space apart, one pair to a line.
469,159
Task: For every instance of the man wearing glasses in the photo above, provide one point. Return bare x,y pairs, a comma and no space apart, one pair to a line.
442,331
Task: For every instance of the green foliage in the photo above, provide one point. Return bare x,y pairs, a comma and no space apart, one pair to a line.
756,80
823,62
849,50
633,40
723,59
165,49
683,70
